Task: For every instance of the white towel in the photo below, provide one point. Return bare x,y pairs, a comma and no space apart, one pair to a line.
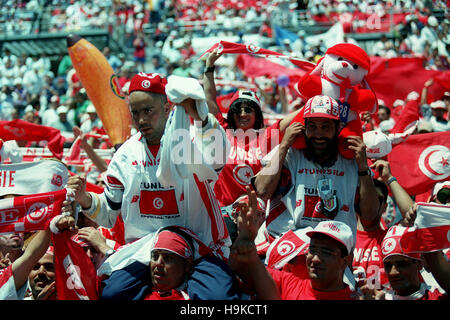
182,143
10,149
181,88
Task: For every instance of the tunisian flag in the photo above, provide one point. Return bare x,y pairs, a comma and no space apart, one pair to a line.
253,67
240,48
395,78
290,245
421,161
75,274
31,212
431,230
24,130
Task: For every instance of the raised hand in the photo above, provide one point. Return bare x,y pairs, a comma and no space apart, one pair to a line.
294,130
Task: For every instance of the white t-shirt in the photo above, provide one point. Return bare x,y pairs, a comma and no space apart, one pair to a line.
302,201
439,126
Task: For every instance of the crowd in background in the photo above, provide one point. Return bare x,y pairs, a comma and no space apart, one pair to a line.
48,92
31,85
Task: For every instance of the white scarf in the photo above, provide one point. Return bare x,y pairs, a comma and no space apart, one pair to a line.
27,178
170,173
390,295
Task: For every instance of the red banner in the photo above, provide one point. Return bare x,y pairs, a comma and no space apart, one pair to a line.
24,130
431,229
395,78
75,275
286,248
421,161
30,213
240,48
253,67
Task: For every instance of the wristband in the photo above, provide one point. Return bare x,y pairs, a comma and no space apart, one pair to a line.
209,69
390,180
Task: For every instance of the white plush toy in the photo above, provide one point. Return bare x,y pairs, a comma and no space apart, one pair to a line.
341,74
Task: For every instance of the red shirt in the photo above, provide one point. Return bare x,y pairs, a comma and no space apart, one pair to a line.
367,260
242,164
154,295
5,275
294,288
434,295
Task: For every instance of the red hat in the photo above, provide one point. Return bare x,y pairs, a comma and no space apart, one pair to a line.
391,244
321,107
173,242
150,82
351,52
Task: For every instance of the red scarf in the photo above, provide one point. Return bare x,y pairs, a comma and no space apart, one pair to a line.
24,130
30,213
238,48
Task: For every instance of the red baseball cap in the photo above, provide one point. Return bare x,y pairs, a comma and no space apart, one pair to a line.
321,107
173,242
149,82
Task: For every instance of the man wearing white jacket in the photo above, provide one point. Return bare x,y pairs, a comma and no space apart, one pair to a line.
148,202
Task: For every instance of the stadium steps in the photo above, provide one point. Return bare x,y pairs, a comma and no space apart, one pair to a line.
53,44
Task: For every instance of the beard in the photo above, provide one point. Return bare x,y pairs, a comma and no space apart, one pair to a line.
327,150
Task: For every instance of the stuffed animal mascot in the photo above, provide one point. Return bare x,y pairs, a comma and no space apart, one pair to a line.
340,74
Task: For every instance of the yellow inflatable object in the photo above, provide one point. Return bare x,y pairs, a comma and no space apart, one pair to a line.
102,87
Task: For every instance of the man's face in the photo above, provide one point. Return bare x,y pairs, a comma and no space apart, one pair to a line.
403,274
447,101
382,115
12,241
43,274
438,113
320,135
29,116
324,262
246,118
168,270
149,115
63,117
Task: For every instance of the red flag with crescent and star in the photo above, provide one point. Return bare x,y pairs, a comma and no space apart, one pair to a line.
421,161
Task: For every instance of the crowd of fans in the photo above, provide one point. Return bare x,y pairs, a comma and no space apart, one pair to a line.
34,91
